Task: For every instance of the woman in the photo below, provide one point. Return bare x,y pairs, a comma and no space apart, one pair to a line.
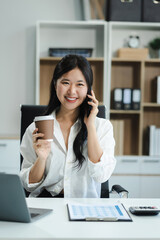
81,155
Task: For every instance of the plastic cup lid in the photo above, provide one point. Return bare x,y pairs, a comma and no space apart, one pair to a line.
41,118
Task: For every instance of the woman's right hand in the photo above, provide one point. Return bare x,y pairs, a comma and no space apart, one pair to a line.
42,147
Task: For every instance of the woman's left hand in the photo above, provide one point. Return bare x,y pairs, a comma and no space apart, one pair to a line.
90,120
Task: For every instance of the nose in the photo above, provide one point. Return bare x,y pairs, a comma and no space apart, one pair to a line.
72,89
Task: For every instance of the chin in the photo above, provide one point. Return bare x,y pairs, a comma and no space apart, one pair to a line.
72,106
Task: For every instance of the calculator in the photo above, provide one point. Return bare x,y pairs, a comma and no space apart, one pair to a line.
144,210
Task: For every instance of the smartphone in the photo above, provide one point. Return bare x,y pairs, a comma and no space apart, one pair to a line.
89,107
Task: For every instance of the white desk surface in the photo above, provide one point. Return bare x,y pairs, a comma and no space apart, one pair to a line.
57,226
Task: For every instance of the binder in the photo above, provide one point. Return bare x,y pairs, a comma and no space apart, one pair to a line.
117,98
106,212
158,89
136,98
127,98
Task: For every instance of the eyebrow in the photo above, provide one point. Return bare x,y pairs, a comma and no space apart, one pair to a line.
66,79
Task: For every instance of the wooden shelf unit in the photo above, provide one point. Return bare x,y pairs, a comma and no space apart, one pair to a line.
109,71
134,73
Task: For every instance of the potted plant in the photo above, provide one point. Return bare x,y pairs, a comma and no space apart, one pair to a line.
155,45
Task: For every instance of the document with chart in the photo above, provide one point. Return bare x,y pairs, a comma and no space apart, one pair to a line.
98,212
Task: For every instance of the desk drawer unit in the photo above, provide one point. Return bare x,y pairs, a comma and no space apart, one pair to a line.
126,174
150,177
140,175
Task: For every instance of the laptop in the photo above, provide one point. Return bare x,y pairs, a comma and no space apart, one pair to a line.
13,206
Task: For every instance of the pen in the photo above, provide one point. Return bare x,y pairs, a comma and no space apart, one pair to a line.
105,219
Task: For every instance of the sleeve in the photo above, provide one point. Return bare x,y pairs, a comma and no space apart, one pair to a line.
102,170
29,158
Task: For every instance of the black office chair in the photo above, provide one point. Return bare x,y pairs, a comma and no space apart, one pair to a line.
28,113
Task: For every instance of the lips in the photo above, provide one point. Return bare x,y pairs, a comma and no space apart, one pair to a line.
71,99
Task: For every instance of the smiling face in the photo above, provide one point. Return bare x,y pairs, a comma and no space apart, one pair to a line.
71,89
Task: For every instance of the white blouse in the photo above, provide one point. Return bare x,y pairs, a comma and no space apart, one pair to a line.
61,172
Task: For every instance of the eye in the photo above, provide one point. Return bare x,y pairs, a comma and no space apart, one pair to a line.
80,84
65,83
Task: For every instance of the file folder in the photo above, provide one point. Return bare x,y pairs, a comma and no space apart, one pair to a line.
108,212
136,99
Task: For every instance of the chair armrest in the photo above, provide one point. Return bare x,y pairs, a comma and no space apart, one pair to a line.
123,193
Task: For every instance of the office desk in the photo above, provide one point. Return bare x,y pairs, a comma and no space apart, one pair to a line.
57,226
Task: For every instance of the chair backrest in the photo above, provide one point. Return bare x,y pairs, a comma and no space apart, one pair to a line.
28,113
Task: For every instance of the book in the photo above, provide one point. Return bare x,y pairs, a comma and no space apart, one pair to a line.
157,142
152,140
98,212
118,130
158,89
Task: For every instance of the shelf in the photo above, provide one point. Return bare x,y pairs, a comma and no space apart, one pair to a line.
125,111
98,59
116,59
151,116
134,73
130,122
9,137
137,25
151,71
70,24
125,74
150,60
149,105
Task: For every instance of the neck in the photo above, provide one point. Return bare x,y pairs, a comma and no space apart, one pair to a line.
67,115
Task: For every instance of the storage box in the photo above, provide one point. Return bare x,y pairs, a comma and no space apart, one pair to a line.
133,53
151,11
123,10
61,52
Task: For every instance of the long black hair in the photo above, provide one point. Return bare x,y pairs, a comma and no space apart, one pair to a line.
66,64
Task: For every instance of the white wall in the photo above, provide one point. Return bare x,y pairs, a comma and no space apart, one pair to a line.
17,52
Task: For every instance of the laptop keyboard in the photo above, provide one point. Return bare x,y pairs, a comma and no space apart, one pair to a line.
38,212
34,215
